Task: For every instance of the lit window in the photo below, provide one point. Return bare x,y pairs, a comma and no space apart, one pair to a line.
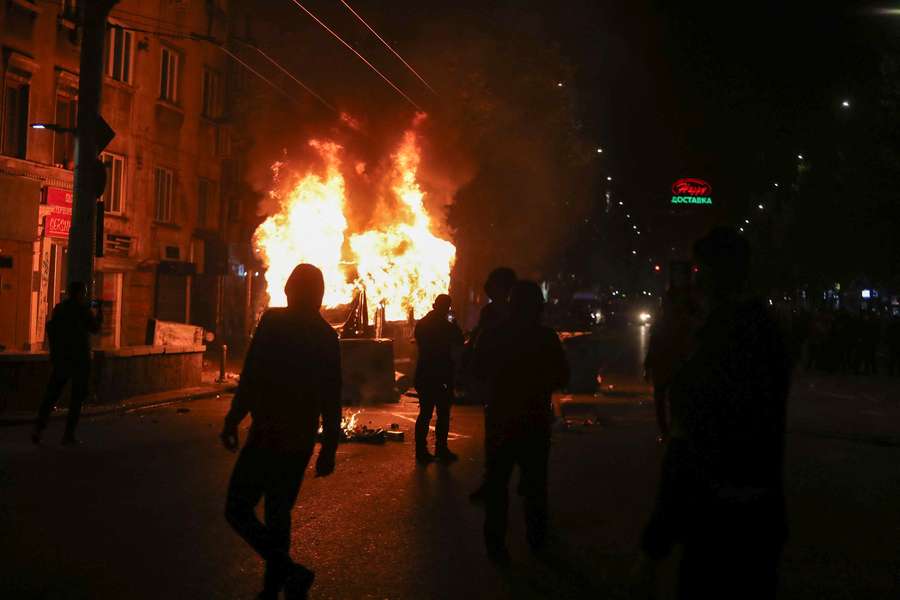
168,76
164,181
113,196
119,53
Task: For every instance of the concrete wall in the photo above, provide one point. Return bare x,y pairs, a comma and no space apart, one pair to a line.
368,372
117,374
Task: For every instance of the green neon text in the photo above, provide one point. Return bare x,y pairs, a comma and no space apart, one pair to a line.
691,200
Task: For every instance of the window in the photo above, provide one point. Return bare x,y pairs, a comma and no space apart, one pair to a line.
15,118
114,195
168,76
163,184
206,201
211,93
119,53
64,142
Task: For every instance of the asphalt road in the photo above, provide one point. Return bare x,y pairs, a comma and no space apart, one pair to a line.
137,511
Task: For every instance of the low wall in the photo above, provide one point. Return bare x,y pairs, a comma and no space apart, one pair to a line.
138,370
117,374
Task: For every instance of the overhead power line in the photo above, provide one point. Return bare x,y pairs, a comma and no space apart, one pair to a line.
291,75
360,56
388,46
255,72
203,38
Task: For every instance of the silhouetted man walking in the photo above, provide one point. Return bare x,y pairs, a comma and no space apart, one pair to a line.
436,337
69,333
522,363
291,376
721,494
493,314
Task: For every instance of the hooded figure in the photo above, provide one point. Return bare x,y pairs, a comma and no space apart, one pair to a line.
291,378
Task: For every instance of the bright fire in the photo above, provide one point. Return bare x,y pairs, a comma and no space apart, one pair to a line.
402,264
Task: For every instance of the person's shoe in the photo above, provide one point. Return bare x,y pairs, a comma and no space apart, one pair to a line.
297,584
478,496
424,457
445,456
71,440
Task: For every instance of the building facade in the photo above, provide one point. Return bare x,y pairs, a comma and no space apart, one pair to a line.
172,205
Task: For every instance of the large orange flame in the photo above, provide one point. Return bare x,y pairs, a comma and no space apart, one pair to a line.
402,264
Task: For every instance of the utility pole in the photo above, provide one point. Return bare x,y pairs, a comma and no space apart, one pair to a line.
82,242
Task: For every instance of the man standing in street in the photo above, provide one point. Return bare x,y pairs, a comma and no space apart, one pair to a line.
69,333
497,287
522,362
437,338
721,495
291,377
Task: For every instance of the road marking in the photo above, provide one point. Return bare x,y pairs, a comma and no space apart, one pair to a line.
451,435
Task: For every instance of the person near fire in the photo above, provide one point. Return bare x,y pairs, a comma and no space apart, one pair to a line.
493,314
291,378
69,333
437,337
522,362
721,493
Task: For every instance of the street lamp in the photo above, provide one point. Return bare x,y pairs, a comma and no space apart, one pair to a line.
608,178
799,157
52,127
845,104
761,206
599,150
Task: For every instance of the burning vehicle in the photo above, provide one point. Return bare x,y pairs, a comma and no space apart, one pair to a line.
379,276
396,265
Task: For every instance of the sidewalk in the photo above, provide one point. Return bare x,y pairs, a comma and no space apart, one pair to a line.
209,388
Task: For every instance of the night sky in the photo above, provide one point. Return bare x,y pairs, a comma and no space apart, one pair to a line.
729,93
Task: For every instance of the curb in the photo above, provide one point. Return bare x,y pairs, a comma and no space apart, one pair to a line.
124,408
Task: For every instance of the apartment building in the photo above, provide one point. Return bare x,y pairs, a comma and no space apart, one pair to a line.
172,205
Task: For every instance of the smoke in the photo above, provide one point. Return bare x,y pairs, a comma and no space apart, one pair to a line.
503,161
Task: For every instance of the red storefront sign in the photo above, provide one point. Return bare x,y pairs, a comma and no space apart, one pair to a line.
59,197
59,221
57,225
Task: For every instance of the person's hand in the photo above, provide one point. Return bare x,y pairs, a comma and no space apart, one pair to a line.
325,464
229,437
645,578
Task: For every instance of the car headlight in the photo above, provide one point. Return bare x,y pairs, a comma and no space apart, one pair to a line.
644,317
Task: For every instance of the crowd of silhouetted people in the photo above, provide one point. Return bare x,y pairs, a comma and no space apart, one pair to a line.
864,342
720,360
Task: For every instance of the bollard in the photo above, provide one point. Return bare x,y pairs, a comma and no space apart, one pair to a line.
223,356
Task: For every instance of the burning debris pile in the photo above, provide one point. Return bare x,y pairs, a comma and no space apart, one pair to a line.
399,260
352,430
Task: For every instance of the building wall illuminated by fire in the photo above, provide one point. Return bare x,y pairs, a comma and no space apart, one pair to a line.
172,201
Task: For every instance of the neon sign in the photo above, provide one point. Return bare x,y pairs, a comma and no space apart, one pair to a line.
688,190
